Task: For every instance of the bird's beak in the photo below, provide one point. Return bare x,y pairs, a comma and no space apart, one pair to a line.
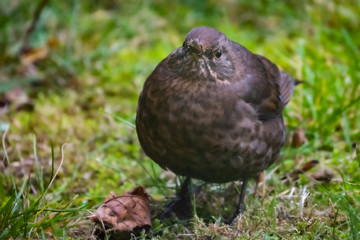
195,46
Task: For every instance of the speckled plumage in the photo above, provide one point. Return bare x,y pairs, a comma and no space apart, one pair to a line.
213,118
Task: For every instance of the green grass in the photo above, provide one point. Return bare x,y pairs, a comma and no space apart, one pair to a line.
84,93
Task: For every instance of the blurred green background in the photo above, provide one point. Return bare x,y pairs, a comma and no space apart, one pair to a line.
76,80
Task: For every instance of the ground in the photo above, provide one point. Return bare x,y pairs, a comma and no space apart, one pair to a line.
68,97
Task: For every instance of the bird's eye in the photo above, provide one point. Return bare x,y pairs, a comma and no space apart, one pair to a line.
184,44
218,53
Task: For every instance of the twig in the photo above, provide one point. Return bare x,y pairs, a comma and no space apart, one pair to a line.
32,26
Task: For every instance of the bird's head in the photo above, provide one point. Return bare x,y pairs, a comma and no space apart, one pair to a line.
205,54
206,41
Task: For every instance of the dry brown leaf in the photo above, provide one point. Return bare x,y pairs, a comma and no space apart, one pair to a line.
306,167
324,176
309,165
124,214
298,138
32,55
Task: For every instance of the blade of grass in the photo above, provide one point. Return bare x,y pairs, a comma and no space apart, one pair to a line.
52,160
39,171
124,121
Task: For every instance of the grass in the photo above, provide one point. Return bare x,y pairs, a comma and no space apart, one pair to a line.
83,93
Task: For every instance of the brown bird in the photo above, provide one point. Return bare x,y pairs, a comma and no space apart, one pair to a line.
212,110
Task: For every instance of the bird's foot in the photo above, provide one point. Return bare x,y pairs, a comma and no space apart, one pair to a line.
241,207
181,205
238,213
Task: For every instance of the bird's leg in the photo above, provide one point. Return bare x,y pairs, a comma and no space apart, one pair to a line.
263,188
241,206
181,205
258,179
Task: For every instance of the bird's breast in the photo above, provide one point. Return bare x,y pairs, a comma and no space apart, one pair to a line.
202,130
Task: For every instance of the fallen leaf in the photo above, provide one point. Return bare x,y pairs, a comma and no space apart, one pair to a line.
298,138
324,176
309,165
32,55
306,167
126,214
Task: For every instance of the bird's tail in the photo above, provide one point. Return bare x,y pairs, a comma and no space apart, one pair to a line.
287,85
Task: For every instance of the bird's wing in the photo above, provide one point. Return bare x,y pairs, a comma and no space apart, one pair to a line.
283,81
